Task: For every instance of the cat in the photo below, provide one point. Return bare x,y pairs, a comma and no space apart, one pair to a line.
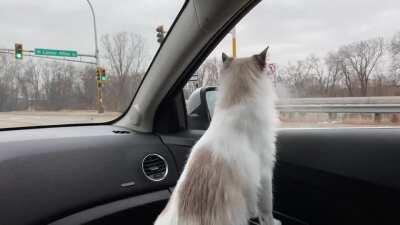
228,176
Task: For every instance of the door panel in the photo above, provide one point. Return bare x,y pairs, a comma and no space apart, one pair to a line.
329,176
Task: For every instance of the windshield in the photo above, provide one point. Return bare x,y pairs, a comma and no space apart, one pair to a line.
50,70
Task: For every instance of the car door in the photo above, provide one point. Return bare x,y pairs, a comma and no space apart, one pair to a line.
337,147
327,173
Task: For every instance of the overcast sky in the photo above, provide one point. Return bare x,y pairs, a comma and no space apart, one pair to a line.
292,28
67,24
295,29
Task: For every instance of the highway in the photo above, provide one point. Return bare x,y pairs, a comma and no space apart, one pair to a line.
40,118
295,112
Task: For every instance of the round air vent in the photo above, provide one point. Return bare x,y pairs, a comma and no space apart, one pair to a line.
155,167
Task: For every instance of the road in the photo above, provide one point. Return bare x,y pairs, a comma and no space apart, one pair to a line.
39,118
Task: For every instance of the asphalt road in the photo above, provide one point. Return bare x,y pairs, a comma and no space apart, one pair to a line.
40,118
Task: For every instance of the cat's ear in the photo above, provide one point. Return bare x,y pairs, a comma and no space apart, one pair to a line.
225,57
261,58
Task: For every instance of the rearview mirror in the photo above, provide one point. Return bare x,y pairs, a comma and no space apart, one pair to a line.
200,107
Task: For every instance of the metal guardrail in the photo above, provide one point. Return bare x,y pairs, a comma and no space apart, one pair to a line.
341,105
387,104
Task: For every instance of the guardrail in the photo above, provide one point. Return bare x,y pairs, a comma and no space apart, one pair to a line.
341,105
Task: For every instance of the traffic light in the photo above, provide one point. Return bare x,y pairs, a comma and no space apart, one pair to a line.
160,34
103,76
18,51
98,73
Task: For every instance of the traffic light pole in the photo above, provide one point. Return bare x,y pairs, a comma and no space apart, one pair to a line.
99,85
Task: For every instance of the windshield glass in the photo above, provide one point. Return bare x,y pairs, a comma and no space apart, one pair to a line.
50,71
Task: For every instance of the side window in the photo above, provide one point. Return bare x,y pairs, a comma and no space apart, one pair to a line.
328,71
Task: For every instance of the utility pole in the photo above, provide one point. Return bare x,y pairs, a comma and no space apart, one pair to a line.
233,33
99,84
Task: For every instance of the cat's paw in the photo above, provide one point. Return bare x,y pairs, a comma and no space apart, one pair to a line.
277,222
269,221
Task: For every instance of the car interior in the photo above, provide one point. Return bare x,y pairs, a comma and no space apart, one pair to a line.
123,171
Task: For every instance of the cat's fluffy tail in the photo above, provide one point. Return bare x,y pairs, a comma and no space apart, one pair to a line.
167,217
234,214
170,217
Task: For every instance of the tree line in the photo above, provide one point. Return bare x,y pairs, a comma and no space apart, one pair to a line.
33,84
364,68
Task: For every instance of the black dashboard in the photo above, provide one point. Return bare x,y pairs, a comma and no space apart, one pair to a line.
48,174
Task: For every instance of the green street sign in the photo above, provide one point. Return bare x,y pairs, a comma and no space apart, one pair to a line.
55,52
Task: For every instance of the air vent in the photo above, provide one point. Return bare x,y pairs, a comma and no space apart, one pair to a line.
155,167
120,131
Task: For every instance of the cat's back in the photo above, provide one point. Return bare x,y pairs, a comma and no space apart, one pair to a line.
209,185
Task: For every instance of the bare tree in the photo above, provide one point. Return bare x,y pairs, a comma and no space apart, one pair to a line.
348,78
208,73
340,71
394,49
316,73
86,88
305,78
8,83
333,65
362,58
124,53
58,82
30,83
395,44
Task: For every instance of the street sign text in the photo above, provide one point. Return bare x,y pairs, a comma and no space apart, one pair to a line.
55,52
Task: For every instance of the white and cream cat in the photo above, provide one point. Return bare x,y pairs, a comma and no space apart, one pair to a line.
228,176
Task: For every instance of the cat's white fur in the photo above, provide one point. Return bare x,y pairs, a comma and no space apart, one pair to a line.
228,176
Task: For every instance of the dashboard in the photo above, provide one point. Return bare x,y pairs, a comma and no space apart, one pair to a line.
65,175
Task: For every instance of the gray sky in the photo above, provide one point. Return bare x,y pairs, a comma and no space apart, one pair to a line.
297,28
68,24
292,28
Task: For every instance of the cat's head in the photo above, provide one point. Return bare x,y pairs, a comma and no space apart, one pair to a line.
246,71
244,78
258,60
251,66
